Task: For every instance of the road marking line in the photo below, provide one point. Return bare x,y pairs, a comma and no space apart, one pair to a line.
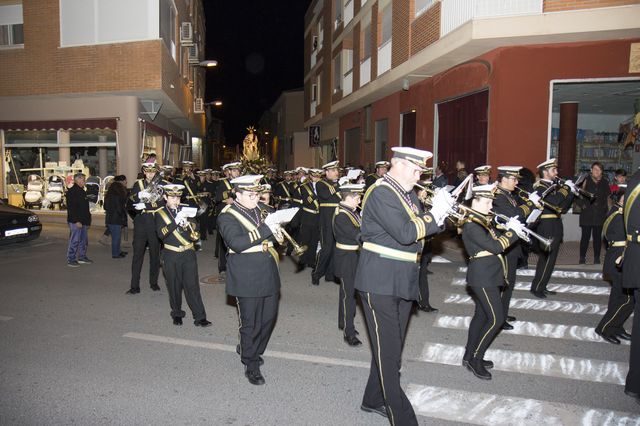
581,275
528,328
560,288
538,305
590,370
490,409
3,318
232,348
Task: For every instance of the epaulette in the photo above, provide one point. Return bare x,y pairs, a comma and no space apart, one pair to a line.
225,208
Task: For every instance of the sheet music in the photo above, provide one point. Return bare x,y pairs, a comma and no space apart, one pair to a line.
280,217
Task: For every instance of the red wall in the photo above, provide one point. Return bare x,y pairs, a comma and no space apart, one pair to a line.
518,80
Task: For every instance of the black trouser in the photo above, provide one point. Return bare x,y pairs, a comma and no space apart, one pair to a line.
181,273
587,231
309,235
487,320
633,377
387,318
203,222
620,308
211,222
347,303
256,318
221,253
144,234
423,280
544,267
324,263
511,263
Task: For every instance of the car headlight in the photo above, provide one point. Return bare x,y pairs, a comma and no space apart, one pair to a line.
33,218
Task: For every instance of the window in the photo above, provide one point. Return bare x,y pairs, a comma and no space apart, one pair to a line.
320,33
318,80
168,25
314,43
386,20
365,38
314,92
338,12
422,6
348,60
11,25
337,73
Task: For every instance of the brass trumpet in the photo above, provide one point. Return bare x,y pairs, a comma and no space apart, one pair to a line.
526,233
193,234
525,195
298,249
458,213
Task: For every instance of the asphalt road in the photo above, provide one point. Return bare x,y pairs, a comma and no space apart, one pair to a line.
76,350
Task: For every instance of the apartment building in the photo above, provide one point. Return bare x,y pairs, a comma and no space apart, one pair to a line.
102,81
484,81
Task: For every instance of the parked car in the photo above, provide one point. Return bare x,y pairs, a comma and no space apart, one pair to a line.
17,224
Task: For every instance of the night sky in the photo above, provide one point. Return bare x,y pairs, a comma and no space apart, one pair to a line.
259,45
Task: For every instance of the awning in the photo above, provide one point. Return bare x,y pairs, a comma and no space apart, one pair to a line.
96,123
162,132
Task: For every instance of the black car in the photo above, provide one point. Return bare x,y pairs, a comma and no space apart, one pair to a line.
17,224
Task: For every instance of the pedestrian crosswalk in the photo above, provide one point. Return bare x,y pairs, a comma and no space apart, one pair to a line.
585,298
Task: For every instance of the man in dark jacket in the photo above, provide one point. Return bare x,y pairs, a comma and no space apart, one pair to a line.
79,219
115,207
594,212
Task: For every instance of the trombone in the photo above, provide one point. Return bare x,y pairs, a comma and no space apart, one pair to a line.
526,233
525,195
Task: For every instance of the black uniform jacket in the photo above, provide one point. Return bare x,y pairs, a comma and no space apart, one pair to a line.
309,204
550,222
370,180
505,203
281,193
223,191
252,262
631,265
484,244
138,186
346,230
613,233
174,237
328,196
391,231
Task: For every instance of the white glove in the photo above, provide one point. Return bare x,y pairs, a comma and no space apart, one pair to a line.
181,217
515,225
144,195
181,221
535,198
274,227
571,185
139,206
441,205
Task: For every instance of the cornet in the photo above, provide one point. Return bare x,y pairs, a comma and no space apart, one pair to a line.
193,234
298,249
525,195
525,234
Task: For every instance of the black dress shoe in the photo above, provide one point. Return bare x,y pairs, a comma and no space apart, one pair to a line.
120,256
507,326
511,318
260,360
549,292
300,267
133,291
202,323
486,362
315,281
427,308
352,340
429,272
632,394
476,366
539,294
255,377
623,335
610,339
155,287
377,410
177,321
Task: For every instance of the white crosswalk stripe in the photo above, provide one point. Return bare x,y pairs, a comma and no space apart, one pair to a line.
584,369
489,409
581,275
538,305
529,328
560,288
3,318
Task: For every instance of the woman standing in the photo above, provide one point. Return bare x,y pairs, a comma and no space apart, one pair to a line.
485,275
116,215
594,212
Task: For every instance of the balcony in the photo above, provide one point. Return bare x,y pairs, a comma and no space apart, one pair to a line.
347,83
384,58
454,13
365,71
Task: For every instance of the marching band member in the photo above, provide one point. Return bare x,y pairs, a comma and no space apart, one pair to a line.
309,215
253,277
144,198
282,191
392,231
630,280
328,198
507,204
203,196
611,326
382,167
423,280
346,228
224,196
210,186
485,274
550,225
483,174
179,257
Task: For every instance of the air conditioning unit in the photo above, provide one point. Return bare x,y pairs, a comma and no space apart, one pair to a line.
186,34
194,57
198,106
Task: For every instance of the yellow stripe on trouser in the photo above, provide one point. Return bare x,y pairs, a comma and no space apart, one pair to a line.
239,325
378,352
546,264
475,353
344,308
617,312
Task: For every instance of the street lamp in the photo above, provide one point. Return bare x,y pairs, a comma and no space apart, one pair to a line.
210,63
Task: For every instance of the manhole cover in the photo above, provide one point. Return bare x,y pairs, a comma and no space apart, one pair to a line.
212,279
